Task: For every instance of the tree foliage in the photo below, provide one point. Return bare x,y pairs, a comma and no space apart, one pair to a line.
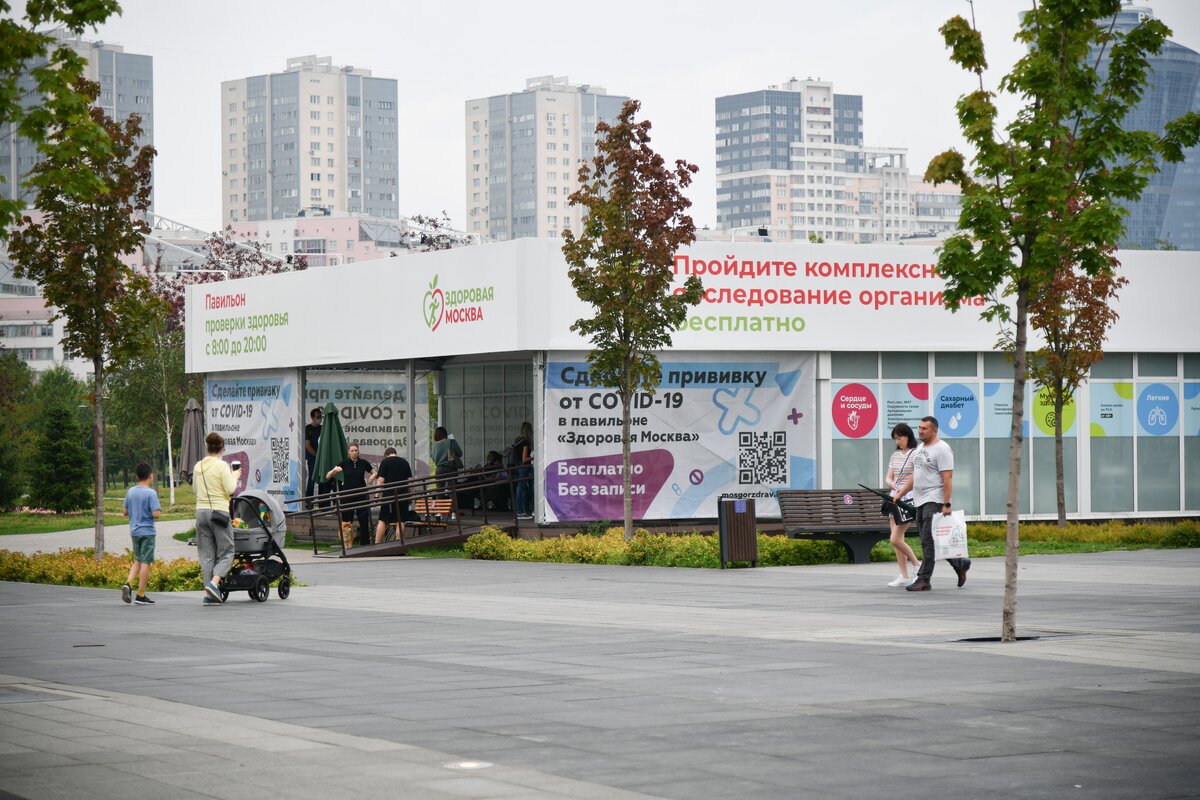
76,250
16,381
621,263
60,475
29,52
1044,191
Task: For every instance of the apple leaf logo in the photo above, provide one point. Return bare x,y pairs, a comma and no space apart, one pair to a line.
433,305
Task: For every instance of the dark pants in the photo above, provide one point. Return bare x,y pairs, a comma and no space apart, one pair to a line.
365,534
924,520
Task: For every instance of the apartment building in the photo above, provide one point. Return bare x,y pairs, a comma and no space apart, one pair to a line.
523,152
315,136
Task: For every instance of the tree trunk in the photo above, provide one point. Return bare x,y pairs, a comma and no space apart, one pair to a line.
626,470
1059,484
170,455
98,446
1012,541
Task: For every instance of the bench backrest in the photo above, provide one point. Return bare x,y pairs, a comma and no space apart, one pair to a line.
824,510
441,506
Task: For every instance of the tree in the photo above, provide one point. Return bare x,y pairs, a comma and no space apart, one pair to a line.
75,254
28,55
16,381
1073,312
622,263
59,476
1065,146
434,232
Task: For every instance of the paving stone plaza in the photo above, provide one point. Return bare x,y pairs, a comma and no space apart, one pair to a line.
438,679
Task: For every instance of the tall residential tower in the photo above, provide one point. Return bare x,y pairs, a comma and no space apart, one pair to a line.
314,136
523,152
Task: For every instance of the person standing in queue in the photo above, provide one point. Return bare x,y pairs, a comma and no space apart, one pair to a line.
356,473
446,455
312,437
932,484
393,469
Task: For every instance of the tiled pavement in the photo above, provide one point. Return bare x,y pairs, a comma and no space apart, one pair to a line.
458,679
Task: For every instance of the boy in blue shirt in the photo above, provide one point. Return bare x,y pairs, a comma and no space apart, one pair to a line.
142,508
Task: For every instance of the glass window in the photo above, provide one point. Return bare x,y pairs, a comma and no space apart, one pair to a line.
966,474
905,365
856,461
1045,491
995,365
959,365
1191,472
1113,365
1158,365
454,380
1191,365
1158,473
1112,473
515,378
854,365
995,467
473,380
493,378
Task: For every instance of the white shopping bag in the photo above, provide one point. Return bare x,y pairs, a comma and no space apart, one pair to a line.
950,535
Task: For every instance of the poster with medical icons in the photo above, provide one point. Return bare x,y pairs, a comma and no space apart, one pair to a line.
855,410
903,402
956,407
1111,409
1158,409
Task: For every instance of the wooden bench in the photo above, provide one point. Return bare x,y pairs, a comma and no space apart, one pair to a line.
848,516
432,512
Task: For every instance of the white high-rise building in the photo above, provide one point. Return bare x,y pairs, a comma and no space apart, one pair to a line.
523,152
315,136
791,159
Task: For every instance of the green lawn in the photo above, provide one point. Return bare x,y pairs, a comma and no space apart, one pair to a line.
114,502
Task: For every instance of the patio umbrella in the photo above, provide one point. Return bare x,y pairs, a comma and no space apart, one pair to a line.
331,449
192,449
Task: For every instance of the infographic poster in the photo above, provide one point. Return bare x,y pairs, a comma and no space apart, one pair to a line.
739,425
998,408
259,418
855,410
956,407
1158,409
904,402
1112,409
373,409
1191,409
1044,417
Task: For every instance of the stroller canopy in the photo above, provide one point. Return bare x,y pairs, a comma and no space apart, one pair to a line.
273,520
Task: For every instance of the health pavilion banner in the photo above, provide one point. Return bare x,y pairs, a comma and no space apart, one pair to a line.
741,425
259,417
373,408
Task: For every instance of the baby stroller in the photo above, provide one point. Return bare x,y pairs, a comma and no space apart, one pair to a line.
258,558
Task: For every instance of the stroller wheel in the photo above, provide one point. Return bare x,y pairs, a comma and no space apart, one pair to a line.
260,590
284,588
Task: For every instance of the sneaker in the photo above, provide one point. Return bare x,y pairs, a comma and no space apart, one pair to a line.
142,600
524,516
213,592
208,601
126,592
900,581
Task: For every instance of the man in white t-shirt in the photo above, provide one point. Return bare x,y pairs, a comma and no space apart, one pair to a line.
932,483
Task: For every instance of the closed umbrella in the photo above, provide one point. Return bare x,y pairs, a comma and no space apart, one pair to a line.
331,449
192,449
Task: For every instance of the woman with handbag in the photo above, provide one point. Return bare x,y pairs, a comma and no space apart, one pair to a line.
215,483
446,456
900,470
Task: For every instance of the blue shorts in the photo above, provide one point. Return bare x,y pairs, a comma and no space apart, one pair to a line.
143,549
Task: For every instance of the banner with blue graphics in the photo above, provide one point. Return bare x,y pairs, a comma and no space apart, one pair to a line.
259,417
956,407
739,425
1158,409
1112,409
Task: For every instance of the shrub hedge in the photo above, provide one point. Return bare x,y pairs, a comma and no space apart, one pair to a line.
701,550
78,567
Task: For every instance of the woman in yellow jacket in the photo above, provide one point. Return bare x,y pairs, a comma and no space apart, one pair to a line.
214,482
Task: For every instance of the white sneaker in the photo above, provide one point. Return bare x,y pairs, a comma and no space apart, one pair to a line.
900,581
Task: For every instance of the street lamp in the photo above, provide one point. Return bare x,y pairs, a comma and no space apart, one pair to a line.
762,231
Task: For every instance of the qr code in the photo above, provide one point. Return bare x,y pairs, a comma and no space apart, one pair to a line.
280,456
763,458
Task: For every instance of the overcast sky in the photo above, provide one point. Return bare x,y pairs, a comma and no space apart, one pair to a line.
676,57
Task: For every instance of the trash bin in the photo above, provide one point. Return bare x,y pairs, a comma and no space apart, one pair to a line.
736,530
